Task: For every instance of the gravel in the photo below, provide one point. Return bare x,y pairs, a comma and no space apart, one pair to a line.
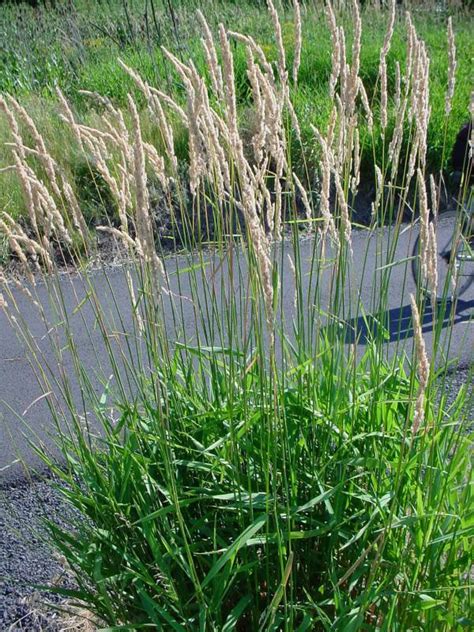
26,558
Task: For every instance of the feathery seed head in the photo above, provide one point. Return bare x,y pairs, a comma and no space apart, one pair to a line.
451,67
423,367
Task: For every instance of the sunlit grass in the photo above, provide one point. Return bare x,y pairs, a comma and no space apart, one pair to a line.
237,460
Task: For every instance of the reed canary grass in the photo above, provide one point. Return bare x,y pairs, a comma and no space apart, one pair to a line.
73,205
451,67
336,54
26,190
397,99
424,223
383,94
389,34
343,68
40,146
143,220
298,42
423,368
378,192
229,89
434,197
432,265
355,181
351,92
366,105
344,209
211,56
304,198
15,131
249,456
282,72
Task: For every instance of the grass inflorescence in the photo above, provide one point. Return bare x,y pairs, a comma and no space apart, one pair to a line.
78,49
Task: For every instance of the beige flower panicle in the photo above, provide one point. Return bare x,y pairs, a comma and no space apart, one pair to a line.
389,33
14,128
397,138
411,48
143,221
170,103
27,192
46,208
344,210
331,127
432,265
383,95
96,153
229,88
326,168
13,240
355,180
124,237
298,41
343,67
336,55
434,197
206,128
292,267
378,192
182,69
398,87
419,110
99,98
136,78
258,138
424,223
211,57
282,72
423,367
471,140
304,199
258,52
383,66
24,247
352,89
78,220
43,154
166,129
156,109
269,102
451,67
269,209
366,105
157,162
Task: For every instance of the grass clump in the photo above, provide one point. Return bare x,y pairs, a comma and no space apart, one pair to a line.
240,504
242,457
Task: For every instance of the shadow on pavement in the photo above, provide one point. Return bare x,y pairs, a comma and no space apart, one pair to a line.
396,324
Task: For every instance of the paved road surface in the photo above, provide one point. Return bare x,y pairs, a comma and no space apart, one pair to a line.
19,390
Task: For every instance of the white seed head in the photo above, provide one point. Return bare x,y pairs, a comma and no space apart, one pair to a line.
451,67
423,367
298,41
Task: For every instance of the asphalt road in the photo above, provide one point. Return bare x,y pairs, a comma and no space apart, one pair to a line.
25,416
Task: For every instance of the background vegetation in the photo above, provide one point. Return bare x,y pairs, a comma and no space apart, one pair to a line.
76,45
